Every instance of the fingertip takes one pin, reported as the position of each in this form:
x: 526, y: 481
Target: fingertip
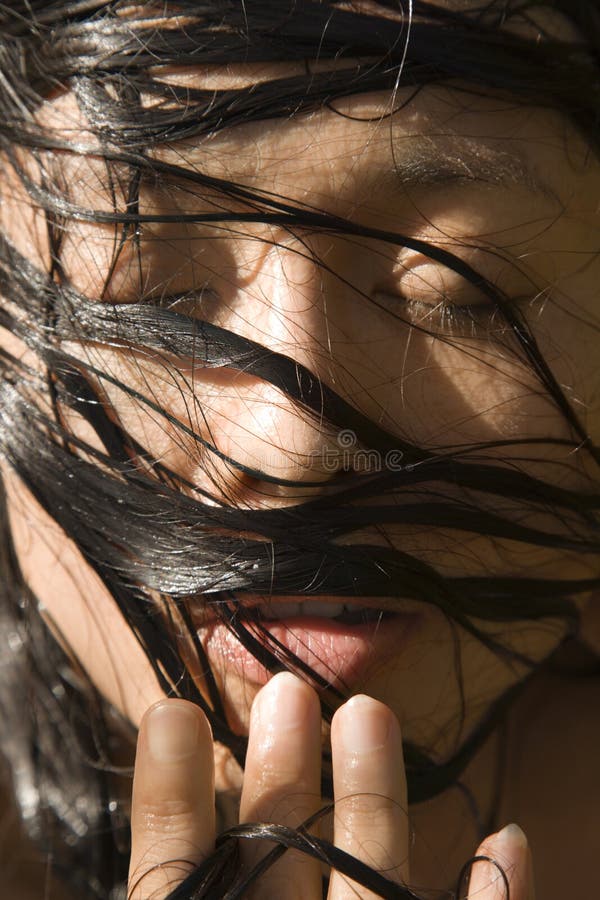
x: 359, y: 703
x: 512, y: 837
x: 285, y: 702
x: 364, y: 724
x: 369, y: 782
x: 178, y: 705
x: 282, y: 779
x: 285, y: 682
x: 173, y: 804
x: 509, y: 847
x: 504, y: 867
x: 174, y: 730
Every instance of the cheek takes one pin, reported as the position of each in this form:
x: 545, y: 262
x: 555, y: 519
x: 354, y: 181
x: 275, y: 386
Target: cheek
x: 78, y: 609
x: 573, y: 357
x: 430, y: 391
x: 468, y: 391
x: 440, y: 389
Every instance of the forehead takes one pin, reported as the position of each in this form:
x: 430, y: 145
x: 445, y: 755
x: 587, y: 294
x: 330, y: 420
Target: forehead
x: 366, y: 154
x: 436, y: 131
x: 445, y: 167
x: 436, y: 138
x: 531, y: 19
x: 397, y: 142
x: 483, y: 136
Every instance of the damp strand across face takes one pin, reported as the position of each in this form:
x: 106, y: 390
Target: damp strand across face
x: 402, y: 337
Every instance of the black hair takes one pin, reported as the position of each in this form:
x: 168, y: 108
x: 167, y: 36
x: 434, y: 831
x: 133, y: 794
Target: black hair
x: 140, y: 525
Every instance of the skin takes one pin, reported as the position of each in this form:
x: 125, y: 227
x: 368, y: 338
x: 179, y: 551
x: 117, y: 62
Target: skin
x: 173, y: 790
x: 284, y: 300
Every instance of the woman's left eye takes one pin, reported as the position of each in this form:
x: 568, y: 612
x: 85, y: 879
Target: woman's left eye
x: 436, y: 297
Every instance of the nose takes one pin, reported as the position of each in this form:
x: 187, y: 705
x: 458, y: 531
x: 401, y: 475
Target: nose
x: 268, y: 448
x: 282, y: 299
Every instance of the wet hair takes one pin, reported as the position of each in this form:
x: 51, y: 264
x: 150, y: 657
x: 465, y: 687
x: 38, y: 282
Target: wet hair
x: 139, y: 524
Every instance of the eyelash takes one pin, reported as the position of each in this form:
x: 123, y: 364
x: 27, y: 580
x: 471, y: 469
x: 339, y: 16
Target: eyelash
x: 448, y: 314
x: 446, y: 317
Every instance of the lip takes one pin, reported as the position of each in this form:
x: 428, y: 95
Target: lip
x: 342, y: 654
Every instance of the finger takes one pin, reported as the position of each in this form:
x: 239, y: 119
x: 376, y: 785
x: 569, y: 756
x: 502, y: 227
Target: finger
x: 512, y: 866
x: 370, y: 819
x: 173, y: 806
x: 282, y: 781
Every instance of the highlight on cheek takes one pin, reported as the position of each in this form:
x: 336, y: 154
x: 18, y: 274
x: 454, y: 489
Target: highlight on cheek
x: 295, y: 309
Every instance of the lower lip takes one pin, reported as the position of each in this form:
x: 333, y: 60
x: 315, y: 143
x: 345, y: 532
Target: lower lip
x: 342, y: 655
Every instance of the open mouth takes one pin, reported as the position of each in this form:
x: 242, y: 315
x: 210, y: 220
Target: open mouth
x: 339, y: 641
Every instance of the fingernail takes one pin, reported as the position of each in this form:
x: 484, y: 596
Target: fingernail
x: 282, y: 704
x: 172, y: 732
x: 364, y: 724
x: 513, y: 836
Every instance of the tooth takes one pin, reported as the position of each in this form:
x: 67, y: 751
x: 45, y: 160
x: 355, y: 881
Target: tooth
x: 327, y: 610
x: 291, y: 609
x: 281, y: 610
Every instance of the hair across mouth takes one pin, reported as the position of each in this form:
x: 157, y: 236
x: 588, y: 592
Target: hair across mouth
x: 340, y: 642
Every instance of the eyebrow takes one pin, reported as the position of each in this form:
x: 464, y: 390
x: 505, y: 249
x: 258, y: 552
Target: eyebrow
x: 455, y: 160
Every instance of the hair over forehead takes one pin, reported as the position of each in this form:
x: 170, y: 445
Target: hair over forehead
x: 141, y: 78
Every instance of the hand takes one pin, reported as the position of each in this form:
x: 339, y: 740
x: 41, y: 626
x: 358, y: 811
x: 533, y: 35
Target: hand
x: 173, y: 820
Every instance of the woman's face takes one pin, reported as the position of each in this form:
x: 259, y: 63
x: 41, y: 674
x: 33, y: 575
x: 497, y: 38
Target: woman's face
x: 513, y: 191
